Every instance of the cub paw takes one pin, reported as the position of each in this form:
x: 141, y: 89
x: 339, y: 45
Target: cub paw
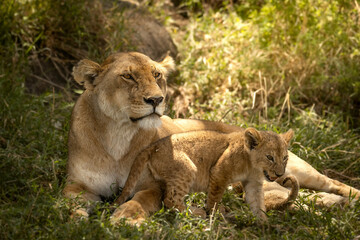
x: 197, y: 212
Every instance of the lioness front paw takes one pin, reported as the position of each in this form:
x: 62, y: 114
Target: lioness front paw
x: 80, y: 213
x: 125, y: 212
x: 262, y: 218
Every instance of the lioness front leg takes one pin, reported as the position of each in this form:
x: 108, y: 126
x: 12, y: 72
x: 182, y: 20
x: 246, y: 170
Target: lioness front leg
x: 255, y: 198
x: 140, y: 206
x: 77, y: 191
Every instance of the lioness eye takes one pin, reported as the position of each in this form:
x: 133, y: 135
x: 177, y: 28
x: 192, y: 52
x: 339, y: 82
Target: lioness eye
x: 127, y: 76
x: 157, y: 75
x: 270, y: 157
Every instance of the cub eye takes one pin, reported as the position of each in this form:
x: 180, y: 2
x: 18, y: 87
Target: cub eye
x: 286, y: 158
x: 157, y: 74
x: 127, y: 76
x: 270, y: 158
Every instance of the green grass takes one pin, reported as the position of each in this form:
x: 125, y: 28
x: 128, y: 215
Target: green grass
x: 222, y: 54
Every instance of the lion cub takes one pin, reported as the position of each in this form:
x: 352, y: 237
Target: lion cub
x: 210, y: 161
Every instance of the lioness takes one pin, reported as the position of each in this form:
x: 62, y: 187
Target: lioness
x: 210, y: 161
x: 118, y: 115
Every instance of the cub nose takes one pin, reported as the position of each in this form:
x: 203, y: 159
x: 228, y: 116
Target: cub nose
x: 278, y: 175
x: 154, y: 101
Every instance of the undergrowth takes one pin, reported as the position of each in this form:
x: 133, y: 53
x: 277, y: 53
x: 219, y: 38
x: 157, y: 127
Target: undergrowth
x: 300, y: 53
x: 243, y: 65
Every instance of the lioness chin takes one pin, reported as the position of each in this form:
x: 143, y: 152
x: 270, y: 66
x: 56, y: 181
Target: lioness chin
x: 118, y: 115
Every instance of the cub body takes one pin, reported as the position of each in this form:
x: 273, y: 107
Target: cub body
x: 210, y: 161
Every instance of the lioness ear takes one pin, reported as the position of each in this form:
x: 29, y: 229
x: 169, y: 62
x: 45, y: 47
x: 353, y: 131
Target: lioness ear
x: 252, y: 138
x: 288, y: 136
x: 168, y: 64
x: 85, y: 72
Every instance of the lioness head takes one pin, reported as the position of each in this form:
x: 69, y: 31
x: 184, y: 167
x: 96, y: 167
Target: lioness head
x: 268, y: 151
x: 127, y: 86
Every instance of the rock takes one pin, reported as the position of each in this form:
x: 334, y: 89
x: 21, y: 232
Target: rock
x: 51, y: 69
x: 148, y: 36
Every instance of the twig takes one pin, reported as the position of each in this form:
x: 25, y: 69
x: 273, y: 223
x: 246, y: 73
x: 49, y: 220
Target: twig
x: 58, y: 69
x: 53, y: 166
x: 52, y: 83
x: 264, y: 93
x: 332, y: 146
x: 350, y: 166
x: 341, y: 175
x: 222, y: 118
x: 343, y: 151
x: 287, y: 102
x: 53, y: 103
x: 32, y: 207
x: 254, y: 97
x: 47, y: 81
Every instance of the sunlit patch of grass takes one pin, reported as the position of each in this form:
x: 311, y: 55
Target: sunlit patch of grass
x: 306, y: 50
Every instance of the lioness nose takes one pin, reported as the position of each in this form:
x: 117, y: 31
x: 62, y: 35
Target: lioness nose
x: 154, y: 101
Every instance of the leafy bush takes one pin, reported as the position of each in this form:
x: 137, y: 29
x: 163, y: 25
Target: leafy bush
x: 39, y: 24
x: 309, y: 48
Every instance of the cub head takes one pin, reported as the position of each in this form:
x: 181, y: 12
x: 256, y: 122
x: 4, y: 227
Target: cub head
x: 268, y: 151
x: 127, y: 87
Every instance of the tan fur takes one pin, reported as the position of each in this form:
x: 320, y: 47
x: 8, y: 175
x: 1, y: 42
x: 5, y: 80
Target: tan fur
x: 103, y: 141
x: 210, y: 161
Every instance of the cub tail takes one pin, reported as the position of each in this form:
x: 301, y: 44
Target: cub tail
x: 294, y: 192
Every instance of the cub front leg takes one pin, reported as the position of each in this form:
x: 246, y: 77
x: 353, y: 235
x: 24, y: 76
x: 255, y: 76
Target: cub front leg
x: 215, y: 192
x: 174, y: 196
x: 179, y: 181
x: 219, y: 179
x: 255, y: 198
x: 139, y: 207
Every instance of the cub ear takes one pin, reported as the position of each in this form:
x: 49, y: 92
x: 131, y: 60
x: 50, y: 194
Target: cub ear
x: 85, y: 72
x: 252, y: 138
x: 168, y: 64
x: 288, y: 136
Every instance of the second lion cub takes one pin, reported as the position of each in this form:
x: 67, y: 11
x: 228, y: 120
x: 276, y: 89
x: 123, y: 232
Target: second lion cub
x: 210, y: 161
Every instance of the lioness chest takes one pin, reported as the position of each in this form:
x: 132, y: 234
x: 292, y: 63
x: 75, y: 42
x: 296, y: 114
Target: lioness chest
x: 116, y: 142
x: 117, y: 138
